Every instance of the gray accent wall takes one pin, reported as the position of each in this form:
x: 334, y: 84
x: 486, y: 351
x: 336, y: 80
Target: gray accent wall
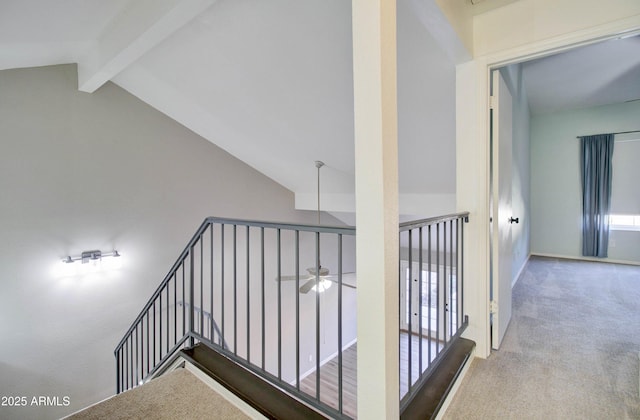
x: 97, y: 171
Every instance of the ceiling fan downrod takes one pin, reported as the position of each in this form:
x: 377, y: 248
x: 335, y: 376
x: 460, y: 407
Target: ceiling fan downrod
x: 319, y: 164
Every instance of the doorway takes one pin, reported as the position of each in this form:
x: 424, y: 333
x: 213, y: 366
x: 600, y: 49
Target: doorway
x: 541, y: 178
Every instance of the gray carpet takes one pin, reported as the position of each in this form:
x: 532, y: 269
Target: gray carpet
x: 175, y: 395
x: 571, y: 350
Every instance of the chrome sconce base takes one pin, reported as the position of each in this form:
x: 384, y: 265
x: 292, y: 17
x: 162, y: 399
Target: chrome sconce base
x: 88, y: 256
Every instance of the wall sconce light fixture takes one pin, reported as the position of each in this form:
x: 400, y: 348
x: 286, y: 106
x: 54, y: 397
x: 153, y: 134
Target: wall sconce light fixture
x: 90, y: 256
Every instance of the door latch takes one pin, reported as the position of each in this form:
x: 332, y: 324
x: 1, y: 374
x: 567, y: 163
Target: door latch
x: 514, y: 220
x: 493, y: 307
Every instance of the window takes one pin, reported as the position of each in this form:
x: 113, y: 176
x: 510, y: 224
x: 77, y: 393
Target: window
x: 625, y: 200
x: 624, y: 221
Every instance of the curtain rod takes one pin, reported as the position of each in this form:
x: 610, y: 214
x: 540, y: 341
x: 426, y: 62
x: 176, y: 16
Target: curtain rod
x: 621, y: 132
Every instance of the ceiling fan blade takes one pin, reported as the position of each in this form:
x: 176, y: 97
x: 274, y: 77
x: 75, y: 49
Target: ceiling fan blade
x: 302, y: 277
x: 334, y: 279
x: 350, y: 275
x: 290, y: 278
x: 323, y: 271
x: 343, y: 275
x: 305, y: 288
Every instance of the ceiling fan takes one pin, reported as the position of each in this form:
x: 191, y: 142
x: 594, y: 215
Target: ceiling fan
x: 324, y: 283
x: 325, y: 279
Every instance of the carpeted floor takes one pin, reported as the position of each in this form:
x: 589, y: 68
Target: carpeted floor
x: 175, y: 395
x: 571, y: 350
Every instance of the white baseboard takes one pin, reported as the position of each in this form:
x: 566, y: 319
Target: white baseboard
x: 324, y: 361
x: 232, y: 398
x: 517, y: 277
x: 581, y: 258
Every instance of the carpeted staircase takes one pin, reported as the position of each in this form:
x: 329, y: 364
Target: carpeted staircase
x: 176, y: 395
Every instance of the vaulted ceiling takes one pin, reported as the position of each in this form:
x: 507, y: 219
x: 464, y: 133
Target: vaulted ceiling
x: 271, y: 81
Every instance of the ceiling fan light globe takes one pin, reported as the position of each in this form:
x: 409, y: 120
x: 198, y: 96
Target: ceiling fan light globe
x: 322, y: 286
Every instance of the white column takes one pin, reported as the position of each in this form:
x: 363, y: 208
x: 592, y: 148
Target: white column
x: 376, y: 152
x: 472, y: 194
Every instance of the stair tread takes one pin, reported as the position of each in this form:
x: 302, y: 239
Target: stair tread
x: 260, y: 394
x: 430, y: 397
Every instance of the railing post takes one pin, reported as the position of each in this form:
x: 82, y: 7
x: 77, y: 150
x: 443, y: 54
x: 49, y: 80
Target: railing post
x: 248, y: 299
x: 222, y: 279
x: 318, y: 357
x: 235, y: 289
x: 340, y: 408
x: 297, y: 263
x: 262, y: 299
x: 409, y: 309
x: 212, y: 323
x: 118, y: 387
x: 420, y: 296
x: 191, y: 296
x: 201, y: 287
x: 429, y: 283
x: 466, y: 220
x: 279, y: 270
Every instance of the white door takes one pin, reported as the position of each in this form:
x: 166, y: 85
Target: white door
x: 410, y: 297
x: 424, y: 305
x: 501, y: 217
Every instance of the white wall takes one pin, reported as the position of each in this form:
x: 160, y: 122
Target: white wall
x: 426, y: 125
x: 524, y: 23
x: 426, y: 120
x: 97, y: 171
x: 556, y: 202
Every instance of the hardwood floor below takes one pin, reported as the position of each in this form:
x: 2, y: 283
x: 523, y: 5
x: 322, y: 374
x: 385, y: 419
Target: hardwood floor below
x: 329, y: 392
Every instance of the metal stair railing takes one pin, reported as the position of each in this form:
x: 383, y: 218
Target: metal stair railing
x: 431, y: 283
x: 220, y: 292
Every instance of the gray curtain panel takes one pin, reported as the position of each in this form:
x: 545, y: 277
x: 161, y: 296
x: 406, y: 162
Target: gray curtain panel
x: 596, y: 153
